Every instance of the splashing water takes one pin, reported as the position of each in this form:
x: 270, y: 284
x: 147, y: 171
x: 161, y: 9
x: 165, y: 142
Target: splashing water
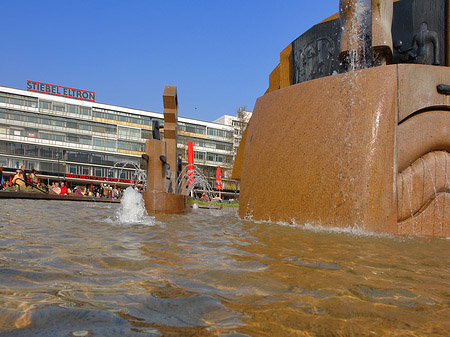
x: 359, y: 34
x: 132, y: 209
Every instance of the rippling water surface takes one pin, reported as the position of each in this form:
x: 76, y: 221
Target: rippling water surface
x: 80, y: 269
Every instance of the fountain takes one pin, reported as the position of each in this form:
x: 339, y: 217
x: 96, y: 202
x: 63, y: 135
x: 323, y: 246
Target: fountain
x: 132, y: 209
x: 161, y: 157
x: 362, y: 124
x: 139, y: 175
x: 183, y: 186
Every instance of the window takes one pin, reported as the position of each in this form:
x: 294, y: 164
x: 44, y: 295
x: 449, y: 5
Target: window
x: 58, y: 107
x: 146, y: 134
x: 73, y: 138
x: 219, y: 133
x: 72, y: 125
x: 85, y: 111
x: 61, y: 122
x: 199, y: 155
x: 129, y: 133
x: 98, y: 113
x: 45, y: 120
x: 85, y: 126
x: 85, y: 140
x: 59, y: 137
x: 45, y: 105
x: 104, y: 144
x: 187, y: 127
x: 131, y: 146
x: 72, y: 109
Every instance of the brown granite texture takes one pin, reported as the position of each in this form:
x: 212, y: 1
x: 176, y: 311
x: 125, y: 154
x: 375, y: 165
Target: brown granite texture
x: 417, y: 88
x: 423, y: 196
x: 155, y: 197
x: 352, y: 149
x: 170, y: 101
x: 447, y: 36
x: 286, y: 67
x: 382, y: 11
x: 350, y: 28
x: 162, y: 202
x: 156, y: 174
x: 322, y: 152
x: 423, y: 133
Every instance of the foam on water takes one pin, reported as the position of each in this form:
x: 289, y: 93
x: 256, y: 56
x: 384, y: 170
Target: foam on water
x: 355, y: 229
x: 132, y: 209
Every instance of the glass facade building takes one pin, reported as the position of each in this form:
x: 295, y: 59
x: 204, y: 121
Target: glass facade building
x: 82, y: 140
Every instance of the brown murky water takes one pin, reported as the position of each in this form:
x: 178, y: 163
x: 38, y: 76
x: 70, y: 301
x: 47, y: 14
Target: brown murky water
x: 73, y: 269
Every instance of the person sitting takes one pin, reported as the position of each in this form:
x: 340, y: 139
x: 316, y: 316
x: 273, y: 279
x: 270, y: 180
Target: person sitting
x: 55, y: 188
x: 19, y: 181
x: 216, y: 199
x: 33, y: 180
x: 203, y: 197
x: 78, y: 192
x: 2, y: 181
x: 63, y: 189
x: 24, y: 175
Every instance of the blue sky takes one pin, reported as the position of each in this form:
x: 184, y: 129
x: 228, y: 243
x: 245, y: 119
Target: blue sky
x: 218, y: 53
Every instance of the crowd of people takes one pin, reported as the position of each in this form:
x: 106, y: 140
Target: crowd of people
x: 24, y: 182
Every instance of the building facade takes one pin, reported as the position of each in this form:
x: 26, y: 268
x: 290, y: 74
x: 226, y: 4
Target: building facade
x: 238, y: 123
x: 85, y: 142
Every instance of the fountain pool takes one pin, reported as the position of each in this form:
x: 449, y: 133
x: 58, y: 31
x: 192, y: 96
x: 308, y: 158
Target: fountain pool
x: 82, y: 269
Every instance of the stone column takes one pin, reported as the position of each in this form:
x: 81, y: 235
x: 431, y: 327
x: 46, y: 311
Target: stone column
x: 349, y: 26
x: 447, y: 33
x: 156, y: 174
x: 155, y: 195
x: 352, y: 26
x: 382, y: 11
x: 170, y: 128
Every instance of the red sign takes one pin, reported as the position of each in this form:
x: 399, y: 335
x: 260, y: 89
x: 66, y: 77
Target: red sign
x: 58, y: 90
x: 114, y: 180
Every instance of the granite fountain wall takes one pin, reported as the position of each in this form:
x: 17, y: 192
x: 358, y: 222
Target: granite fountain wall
x: 368, y: 147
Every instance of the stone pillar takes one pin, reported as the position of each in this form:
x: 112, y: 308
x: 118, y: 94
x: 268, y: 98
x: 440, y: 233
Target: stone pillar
x: 155, y: 195
x: 349, y: 26
x: 447, y: 32
x: 353, y: 25
x: 170, y: 128
x: 382, y: 11
x: 156, y: 173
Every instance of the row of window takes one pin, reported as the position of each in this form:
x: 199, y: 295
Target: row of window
x: 70, y: 109
x: 220, y: 133
x: 31, y: 102
x: 68, y: 123
x: 187, y: 127
x: 97, y: 143
x: 47, y: 152
x: 202, y: 157
x: 203, y: 130
x: 206, y: 143
x: 75, y: 110
x: 18, y: 100
x: 122, y: 116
